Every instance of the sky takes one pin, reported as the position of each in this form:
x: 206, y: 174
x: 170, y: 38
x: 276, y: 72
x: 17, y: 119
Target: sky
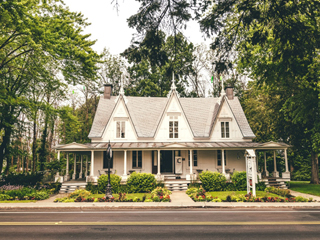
x: 110, y: 28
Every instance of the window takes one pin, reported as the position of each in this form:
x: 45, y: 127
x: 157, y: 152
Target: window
x: 225, y: 130
x: 194, y: 158
x: 136, y: 159
x: 219, y: 158
x: 105, y: 161
x: 121, y: 129
x: 173, y: 127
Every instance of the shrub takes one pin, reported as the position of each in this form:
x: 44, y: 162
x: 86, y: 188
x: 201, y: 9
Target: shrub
x: 94, y: 189
x: 239, y: 180
x: 191, y: 191
x: 114, y: 181
x: 41, y: 195
x: 141, y: 182
x: 213, y: 181
x: 4, y: 197
x: 79, y: 193
x: 261, y: 186
x: 24, y: 179
x: 278, y: 191
x: 160, y: 195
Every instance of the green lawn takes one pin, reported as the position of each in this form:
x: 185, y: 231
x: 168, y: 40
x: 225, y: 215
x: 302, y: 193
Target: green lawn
x: 129, y: 195
x: 305, y: 187
x: 223, y: 194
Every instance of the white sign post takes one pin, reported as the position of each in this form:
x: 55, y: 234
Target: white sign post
x: 251, y: 169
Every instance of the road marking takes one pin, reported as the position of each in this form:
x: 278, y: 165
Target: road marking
x: 166, y: 212
x: 156, y: 223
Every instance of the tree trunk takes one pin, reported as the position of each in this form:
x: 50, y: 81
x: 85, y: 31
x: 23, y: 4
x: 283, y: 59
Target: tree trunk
x: 314, y: 168
x: 4, y: 146
x: 34, y: 145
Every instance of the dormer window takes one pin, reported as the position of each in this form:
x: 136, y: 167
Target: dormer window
x: 121, y: 129
x: 173, y: 127
x: 225, y: 133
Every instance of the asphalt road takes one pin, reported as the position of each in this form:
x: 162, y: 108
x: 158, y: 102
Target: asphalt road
x: 163, y: 224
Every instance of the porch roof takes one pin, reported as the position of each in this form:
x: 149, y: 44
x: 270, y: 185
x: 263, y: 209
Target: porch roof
x: 171, y: 145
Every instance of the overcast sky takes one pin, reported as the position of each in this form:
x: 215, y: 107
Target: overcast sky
x: 111, y: 29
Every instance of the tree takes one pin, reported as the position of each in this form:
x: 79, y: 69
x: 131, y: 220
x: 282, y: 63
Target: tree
x: 154, y: 60
x: 33, y: 36
x: 278, y: 43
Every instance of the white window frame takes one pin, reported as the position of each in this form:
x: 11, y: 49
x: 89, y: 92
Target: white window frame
x: 225, y: 158
x: 122, y: 124
x: 175, y: 129
x: 224, y: 127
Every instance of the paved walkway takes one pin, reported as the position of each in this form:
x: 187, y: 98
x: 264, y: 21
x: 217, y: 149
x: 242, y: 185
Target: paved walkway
x: 180, y: 197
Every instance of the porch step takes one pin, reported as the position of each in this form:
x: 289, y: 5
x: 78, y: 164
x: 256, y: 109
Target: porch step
x: 177, y: 185
x: 71, y: 187
x: 277, y: 183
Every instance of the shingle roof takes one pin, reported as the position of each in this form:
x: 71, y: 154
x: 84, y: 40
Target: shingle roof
x: 200, y: 113
x: 146, y: 113
x: 103, y: 113
x: 240, y: 118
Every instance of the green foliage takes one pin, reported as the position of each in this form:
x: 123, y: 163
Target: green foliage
x: 94, y: 189
x: 26, y: 194
x: 278, y: 191
x: 24, y: 179
x: 4, y: 197
x: 160, y: 194
x: 79, y: 193
x: 239, y: 179
x: 114, y: 181
x: 305, y: 187
x: 191, y: 191
x: 213, y: 181
x: 141, y: 182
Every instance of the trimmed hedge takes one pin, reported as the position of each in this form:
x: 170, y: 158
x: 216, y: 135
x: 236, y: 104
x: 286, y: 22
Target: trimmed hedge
x: 213, y: 181
x: 114, y: 181
x: 239, y: 180
x: 141, y: 182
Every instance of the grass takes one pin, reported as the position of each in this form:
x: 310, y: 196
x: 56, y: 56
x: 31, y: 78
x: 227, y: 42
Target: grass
x: 18, y: 201
x: 305, y: 187
x: 223, y: 194
x: 128, y: 195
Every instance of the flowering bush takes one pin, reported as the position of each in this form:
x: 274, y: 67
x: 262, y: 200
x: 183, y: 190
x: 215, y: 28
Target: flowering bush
x: 199, y: 195
x: 161, y: 195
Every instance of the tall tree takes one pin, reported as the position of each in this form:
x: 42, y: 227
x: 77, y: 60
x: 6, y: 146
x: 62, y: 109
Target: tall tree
x: 31, y: 33
x: 278, y: 43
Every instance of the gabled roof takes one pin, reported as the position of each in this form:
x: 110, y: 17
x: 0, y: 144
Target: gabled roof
x: 146, y: 113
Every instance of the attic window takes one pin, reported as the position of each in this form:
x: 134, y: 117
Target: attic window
x: 173, y: 127
x: 225, y: 132
x: 121, y: 129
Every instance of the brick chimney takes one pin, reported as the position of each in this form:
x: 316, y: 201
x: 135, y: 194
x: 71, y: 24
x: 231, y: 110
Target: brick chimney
x: 229, y: 91
x: 107, y: 91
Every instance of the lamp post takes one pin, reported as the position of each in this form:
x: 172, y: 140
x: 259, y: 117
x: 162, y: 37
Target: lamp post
x: 109, y: 157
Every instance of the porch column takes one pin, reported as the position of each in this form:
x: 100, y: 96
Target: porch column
x: 80, y: 174
x: 74, y: 166
x: 275, y: 172
x: 92, y: 163
x: 67, y: 169
x: 158, y: 163
x: 191, y: 164
x: 223, y: 162
x: 58, y: 155
x: 286, y: 160
x: 86, y: 173
x: 265, y: 164
x: 125, y: 165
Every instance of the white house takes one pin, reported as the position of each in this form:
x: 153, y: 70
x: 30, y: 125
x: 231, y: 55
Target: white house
x: 170, y: 137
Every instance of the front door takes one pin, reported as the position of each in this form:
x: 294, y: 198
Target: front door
x: 166, y: 162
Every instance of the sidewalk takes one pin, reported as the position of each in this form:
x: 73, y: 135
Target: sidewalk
x: 178, y: 200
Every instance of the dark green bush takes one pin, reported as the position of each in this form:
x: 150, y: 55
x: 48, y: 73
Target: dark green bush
x: 261, y: 186
x: 24, y: 179
x: 114, y: 181
x: 213, y: 181
x: 94, y: 189
x: 230, y: 187
x: 239, y: 180
x: 141, y: 182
